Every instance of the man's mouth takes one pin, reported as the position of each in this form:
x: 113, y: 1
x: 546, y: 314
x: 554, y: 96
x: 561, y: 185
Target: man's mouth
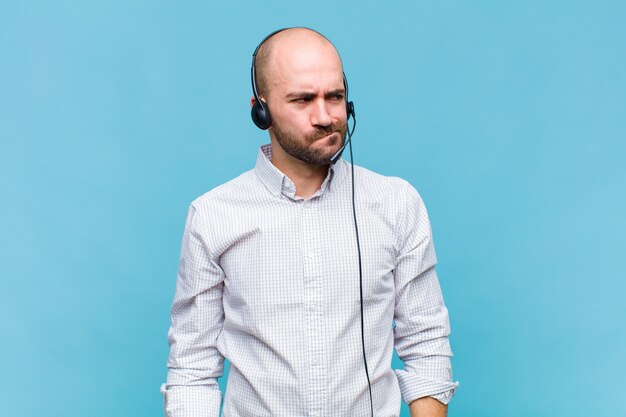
x: 327, y: 135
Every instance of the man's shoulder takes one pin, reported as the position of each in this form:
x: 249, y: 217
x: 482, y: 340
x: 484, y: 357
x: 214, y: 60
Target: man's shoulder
x: 382, y: 185
x: 228, y: 191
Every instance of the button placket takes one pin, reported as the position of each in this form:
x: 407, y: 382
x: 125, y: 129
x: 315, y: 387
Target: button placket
x: 313, y: 303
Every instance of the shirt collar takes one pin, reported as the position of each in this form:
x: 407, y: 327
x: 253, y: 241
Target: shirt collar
x: 280, y: 184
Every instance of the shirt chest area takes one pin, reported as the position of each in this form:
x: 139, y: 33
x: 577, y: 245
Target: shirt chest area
x: 279, y: 255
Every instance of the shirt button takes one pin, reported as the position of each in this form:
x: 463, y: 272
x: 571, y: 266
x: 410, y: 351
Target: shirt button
x: 310, y: 254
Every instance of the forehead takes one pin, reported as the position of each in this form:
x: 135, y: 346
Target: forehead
x: 310, y: 65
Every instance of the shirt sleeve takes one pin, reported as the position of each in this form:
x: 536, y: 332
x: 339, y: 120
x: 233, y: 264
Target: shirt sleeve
x: 421, y: 319
x: 194, y: 362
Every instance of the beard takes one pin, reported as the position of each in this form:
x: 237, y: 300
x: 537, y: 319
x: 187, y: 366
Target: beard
x: 300, y: 148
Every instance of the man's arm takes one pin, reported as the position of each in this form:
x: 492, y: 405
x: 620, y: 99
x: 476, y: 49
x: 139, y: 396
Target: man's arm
x: 421, y: 319
x: 194, y: 362
x: 428, y: 407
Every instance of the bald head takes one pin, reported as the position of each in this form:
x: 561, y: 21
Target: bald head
x: 283, y: 49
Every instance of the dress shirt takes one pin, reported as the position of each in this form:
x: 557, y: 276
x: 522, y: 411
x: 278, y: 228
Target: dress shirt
x: 270, y: 281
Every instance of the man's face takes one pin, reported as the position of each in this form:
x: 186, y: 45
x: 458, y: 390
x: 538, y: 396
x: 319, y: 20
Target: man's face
x: 306, y: 98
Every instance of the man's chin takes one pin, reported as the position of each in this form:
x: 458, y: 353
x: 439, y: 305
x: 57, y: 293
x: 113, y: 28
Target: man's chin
x: 322, y: 155
x: 319, y: 156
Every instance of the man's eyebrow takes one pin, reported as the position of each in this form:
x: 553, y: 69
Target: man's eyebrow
x: 338, y: 91
x: 308, y: 93
x: 302, y: 93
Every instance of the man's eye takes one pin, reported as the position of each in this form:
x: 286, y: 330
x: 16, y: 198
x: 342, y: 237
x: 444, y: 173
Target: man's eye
x: 338, y: 97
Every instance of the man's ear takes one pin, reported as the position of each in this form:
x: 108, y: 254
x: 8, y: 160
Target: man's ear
x: 253, y: 100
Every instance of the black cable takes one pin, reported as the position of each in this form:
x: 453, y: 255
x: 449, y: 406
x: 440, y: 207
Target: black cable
x: 358, y: 246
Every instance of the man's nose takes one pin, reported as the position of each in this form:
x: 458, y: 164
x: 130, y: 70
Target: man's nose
x: 320, y: 115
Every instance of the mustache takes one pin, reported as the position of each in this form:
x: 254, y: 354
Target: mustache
x: 320, y: 132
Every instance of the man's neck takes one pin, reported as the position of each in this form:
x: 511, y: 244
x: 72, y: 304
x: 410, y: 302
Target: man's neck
x: 307, y: 178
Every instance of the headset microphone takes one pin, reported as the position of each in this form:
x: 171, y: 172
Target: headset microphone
x: 337, y: 155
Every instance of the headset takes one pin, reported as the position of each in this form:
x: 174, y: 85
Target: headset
x: 260, y: 114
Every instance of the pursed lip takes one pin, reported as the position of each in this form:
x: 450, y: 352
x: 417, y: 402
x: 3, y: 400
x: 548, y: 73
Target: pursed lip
x: 328, y: 135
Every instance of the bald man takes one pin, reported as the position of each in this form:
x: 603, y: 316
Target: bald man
x: 273, y: 277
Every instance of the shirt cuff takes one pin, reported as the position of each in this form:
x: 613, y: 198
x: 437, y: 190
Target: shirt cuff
x: 444, y: 397
x: 191, y: 401
x: 413, y: 386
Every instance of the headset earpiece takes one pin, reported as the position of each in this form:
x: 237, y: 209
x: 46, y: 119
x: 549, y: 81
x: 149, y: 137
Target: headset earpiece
x: 261, y: 115
x: 260, y: 112
x: 350, y: 109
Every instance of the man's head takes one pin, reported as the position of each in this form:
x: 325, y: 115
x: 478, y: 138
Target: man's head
x: 299, y: 76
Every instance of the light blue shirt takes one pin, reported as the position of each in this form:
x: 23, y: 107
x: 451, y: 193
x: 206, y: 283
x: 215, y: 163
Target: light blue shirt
x: 270, y: 281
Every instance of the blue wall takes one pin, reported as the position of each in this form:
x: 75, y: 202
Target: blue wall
x: 508, y: 117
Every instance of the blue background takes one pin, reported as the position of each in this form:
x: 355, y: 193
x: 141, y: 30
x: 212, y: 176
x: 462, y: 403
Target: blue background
x: 508, y: 117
